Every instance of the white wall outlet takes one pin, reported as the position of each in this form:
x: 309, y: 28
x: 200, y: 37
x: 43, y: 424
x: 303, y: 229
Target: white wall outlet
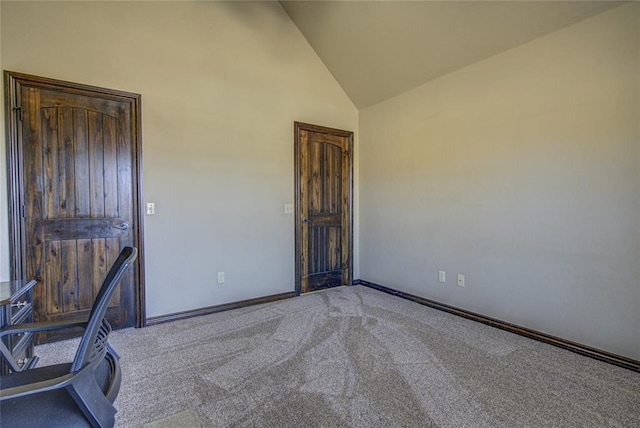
x: 460, y: 280
x: 220, y: 277
x: 151, y: 208
x: 442, y: 276
x: 288, y: 208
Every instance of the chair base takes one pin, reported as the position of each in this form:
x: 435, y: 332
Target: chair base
x: 55, y: 408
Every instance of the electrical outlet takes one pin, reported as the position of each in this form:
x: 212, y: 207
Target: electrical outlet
x: 442, y: 276
x: 151, y: 208
x: 460, y: 280
x: 220, y: 277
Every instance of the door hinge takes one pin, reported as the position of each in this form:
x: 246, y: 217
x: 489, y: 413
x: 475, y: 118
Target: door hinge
x: 18, y: 111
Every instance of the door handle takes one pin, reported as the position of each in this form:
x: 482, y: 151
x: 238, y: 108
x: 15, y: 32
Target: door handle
x: 305, y: 220
x: 123, y: 226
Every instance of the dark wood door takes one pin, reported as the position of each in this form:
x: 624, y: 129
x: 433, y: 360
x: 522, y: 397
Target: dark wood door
x: 77, y: 179
x: 323, y: 207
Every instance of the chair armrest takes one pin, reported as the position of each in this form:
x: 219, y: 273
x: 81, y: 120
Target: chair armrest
x: 36, y: 387
x: 41, y: 326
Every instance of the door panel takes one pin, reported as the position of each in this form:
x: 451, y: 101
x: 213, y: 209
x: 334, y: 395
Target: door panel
x: 323, y: 197
x: 80, y: 196
x: 74, y: 270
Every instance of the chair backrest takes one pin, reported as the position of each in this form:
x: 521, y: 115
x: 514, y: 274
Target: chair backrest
x: 93, y: 344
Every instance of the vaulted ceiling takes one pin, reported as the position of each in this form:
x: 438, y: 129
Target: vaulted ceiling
x: 378, y: 49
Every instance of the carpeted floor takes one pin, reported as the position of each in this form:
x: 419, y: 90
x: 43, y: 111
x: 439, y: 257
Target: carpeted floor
x: 356, y: 357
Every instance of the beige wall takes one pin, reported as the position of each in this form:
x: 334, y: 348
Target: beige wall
x: 221, y: 85
x: 523, y: 173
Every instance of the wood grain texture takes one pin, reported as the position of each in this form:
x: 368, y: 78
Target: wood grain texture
x: 82, y: 165
x: 98, y: 263
x: 53, y: 300
x: 110, y: 167
x: 69, y: 283
x: 32, y: 196
x: 302, y: 211
x: 324, y: 216
x: 82, y: 228
x: 96, y: 157
x: 66, y: 164
x: 78, y: 148
x: 50, y: 157
x: 85, y: 275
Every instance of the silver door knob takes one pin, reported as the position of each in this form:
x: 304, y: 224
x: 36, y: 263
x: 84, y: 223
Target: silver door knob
x: 123, y: 226
x: 305, y: 220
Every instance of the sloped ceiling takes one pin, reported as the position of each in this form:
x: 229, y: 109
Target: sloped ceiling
x: 378, y: 49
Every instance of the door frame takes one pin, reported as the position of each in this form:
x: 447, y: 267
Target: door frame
x: 300, y: 126
x: 15, y: 184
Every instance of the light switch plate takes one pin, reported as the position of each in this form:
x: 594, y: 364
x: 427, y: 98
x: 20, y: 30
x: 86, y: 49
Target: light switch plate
x: 151, y: 208
x: 288, y: 208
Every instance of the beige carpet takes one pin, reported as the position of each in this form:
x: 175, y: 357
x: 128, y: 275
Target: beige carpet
x: 186, y: 419
x: 356, y: 357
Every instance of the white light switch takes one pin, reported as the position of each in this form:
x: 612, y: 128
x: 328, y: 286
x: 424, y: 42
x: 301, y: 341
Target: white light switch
x: 288, y: 208
x: 220, y: 277
x: 151, y: 208
x: 442, y: 276
x: 460, y: 280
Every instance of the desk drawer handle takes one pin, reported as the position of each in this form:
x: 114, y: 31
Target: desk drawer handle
x: 19, y: 304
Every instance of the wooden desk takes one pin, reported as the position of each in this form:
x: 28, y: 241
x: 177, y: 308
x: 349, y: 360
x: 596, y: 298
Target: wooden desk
x: 15, y: 308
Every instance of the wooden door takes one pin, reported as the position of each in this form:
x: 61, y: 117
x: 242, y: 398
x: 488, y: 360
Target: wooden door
x: 323, y: 207
x: 75, y: 157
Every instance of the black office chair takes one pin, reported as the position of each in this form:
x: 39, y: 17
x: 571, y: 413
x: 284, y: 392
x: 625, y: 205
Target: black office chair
x: 76, y: 394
